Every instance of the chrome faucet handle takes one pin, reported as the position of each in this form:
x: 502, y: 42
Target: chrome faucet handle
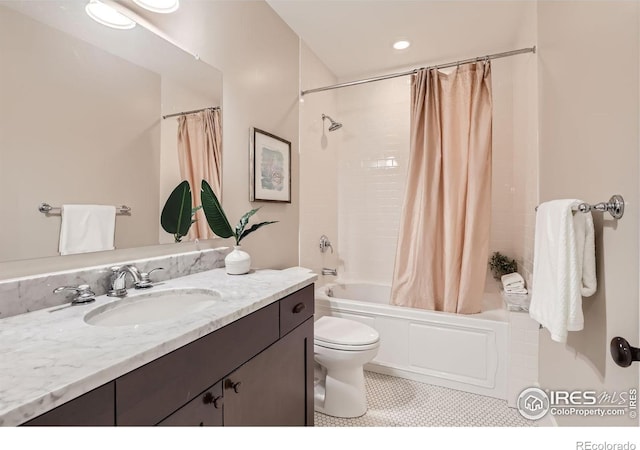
x: 145, y: 282
x: 324, y: 243
x: 84, y: 294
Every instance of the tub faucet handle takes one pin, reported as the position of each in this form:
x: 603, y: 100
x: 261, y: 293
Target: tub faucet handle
x: 324, y: 243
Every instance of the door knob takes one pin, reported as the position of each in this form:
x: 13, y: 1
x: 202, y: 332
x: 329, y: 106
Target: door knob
x: 209, y: 398
x: 231, y: 385
x: 623, y: 353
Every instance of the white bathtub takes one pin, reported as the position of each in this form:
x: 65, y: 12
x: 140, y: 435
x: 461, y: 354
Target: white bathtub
x: 464, y: 352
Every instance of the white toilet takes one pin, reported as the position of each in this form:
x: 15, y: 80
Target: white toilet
x: 341, y: 348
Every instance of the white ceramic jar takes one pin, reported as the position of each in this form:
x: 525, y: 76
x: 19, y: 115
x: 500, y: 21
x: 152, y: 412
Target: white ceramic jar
x: 238, y: 262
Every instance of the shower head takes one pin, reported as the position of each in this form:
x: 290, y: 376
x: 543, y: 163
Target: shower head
x: 334, y: 125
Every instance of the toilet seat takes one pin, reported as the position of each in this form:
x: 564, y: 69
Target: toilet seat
x: 346, y: 348
x: 344, y: 334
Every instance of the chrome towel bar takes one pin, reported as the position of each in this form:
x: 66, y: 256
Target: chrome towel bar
x: 615, y: 206
x: 46, y: 208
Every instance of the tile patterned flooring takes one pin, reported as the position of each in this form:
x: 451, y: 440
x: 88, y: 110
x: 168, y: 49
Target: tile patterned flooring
x: 397, y: 402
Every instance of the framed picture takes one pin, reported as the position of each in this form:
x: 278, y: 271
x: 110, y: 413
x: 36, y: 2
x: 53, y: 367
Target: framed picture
x: 269, y: 167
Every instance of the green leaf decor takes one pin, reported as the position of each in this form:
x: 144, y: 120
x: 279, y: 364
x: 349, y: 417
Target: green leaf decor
x: 217, y: 219
x: 176, y: 217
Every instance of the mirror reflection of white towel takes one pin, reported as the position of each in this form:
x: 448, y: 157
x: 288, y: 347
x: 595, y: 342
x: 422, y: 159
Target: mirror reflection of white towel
x: 87, y: 228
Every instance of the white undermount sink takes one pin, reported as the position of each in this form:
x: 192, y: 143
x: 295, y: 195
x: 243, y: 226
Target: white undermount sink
x: 152, y: 307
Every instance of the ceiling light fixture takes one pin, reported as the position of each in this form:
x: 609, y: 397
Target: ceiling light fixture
x: 108, y: 16
x: 401, y: 45
x: 159, y: 6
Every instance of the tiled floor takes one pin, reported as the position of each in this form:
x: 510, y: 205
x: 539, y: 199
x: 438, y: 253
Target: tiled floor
x: 396, y: 402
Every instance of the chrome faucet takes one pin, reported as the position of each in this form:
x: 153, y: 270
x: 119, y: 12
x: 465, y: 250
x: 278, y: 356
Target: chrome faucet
x: 118, y: 279
x: 141, y: 280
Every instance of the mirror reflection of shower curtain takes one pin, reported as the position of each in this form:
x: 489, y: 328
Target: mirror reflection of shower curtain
x: 200, y: 156
x: 443, y: 244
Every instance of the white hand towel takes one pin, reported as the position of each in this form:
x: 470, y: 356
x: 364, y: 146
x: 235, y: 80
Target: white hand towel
x: 585, y: 243
x: 87, y: 228
x: 563, y: 267
x: 512, y: 280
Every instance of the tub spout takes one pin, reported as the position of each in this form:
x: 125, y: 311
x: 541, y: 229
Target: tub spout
x: 326, y: 271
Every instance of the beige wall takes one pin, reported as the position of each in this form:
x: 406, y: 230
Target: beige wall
x: 588, y: 73
x: 319, y: 152
x: 258, y: 56
x: 61, y: 100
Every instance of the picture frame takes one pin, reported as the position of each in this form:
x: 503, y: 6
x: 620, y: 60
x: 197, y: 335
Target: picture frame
x: 269, y: 167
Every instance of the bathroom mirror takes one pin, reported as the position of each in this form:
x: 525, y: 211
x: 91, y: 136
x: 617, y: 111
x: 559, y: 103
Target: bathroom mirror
x: 81, y: 109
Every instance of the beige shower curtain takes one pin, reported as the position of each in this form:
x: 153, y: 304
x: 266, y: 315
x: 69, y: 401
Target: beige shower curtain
x: 200, y: 156
x: 441, y: 258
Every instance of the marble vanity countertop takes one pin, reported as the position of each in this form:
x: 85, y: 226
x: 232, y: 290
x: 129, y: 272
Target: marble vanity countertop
x: 51, y: 356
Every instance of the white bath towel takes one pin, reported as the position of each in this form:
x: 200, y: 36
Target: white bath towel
x: 563, y: 267
x: 87, y: 228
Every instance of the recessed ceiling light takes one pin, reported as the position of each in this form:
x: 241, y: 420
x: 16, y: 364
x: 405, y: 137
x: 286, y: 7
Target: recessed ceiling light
x: 108, y: 16
x: 159, y: 6
x: 401, y: 45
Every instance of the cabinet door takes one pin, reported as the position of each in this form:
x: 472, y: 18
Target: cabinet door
x: 95, y: 408
x: 275, y: 386
x: 152, y: 392
x: 204, y: 411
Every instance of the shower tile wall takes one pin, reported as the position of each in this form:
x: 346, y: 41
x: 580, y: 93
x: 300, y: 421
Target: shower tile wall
x: 372, y: 168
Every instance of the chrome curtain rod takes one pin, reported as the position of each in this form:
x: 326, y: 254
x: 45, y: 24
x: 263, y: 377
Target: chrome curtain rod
x: 212, y: 108
x: 413, y: 71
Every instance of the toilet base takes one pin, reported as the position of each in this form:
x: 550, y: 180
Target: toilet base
x: 341, y: 393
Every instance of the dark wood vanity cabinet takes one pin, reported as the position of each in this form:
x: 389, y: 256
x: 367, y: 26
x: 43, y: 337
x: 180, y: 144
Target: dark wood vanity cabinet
x: 272, y: 388
x: 205, y: 410
x: 95, y: 408
x: 255, y: 371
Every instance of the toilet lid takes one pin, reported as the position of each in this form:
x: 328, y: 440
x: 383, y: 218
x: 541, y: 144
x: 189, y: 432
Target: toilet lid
x: 335, y: 330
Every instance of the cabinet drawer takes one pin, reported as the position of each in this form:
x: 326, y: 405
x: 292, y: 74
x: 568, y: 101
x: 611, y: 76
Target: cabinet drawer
x: 154, y: 391
x: 205, y: 410
x: 95, y: 408
x: 295, y: 309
